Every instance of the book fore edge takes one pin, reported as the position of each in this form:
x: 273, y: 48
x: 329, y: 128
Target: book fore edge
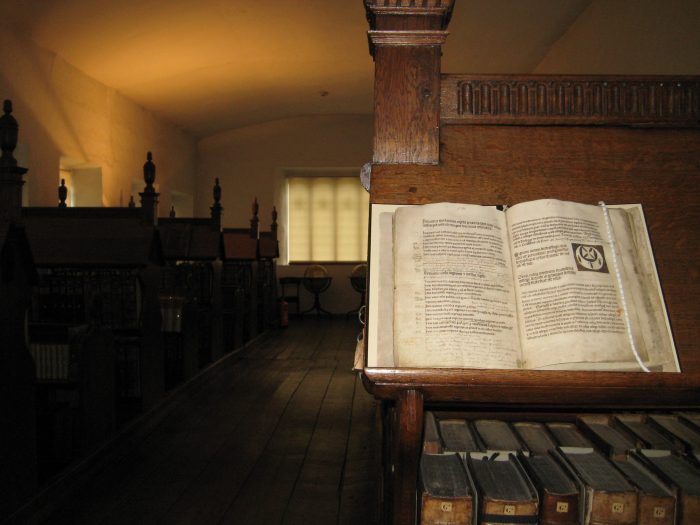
x: 618, y: 277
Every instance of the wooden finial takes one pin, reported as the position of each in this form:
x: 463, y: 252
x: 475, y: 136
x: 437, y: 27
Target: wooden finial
x: 149, y: 197
x: 62, y: 194
x: 149, y: 173
x: 216, y: 208
x: 8, y: 135
x: 273, y: 226
x: 172, y: 211
x: 10, y: 173
x: 254, y: 220
x: 217, y: 191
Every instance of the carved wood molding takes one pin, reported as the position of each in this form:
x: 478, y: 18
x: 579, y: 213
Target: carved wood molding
x: 410, y: 4
x: 410, y: 7
x: 439, y: 10
x: 407, y: 38
x: 543, y: 100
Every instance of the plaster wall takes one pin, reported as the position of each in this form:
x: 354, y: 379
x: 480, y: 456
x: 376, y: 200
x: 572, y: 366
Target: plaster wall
x: 66, y: 116
x: 635, y: 37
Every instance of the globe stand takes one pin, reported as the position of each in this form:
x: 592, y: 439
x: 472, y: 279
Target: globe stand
x: 358, y: 281
x: 356, y: 286
x: 316, y: 281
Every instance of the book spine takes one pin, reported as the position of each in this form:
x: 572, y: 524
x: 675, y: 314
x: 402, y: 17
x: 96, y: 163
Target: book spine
x: 52, y: 362
x: 559, y: 510
x: 656, y: 510
x: 498, y: 512
x: 446, y: 511
x: 690, y: 509
x: 431, y: 438
x: 612, y: 508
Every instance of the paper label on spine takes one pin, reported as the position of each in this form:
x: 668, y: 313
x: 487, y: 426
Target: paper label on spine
x: 618, y: 508
x: 562, y: 506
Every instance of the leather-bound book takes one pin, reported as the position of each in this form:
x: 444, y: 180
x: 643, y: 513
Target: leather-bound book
x: 505, y: 493
x: 609, y: 499
x: 613, y: 442
x: 456, y: 436
x: 679, y: 430
x: 656, y: 500
x: 558, y: 494
x: 535, y: 436
x: 446, y: 495
x: 568, y: 435
x: 683, y: 476
x: 646, y: 432
x: 431, y: 436
x: 691, y: 418
x: 497, y: 436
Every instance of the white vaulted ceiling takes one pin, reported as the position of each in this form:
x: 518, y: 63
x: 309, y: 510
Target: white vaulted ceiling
x: 214, y: 65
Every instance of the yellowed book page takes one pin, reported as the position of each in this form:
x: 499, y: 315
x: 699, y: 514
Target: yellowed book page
x: 646, y: 307
x: 569, y: 304
x: 380, y: 313
x: 454, y: 300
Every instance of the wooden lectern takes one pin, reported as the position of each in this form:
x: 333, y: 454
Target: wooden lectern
x: 507, y: 139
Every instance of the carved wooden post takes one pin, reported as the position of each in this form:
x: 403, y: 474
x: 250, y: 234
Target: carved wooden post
x: 405, y: 41
x: 10, y: 174
x: 149, y: 196
x: 216, y: 208
x: 407, y: 442
x: 17, y: 374
x: 217, y: 338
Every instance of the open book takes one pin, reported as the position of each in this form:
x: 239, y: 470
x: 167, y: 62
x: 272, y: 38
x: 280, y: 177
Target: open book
x: 545, y: 284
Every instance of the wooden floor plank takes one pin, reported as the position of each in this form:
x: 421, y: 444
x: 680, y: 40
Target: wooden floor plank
x: 279, y: 433
x: 279, y: 341
x: 359, y: 497
x: 263, y: 497
x: 213, y: 490
x: 308, y: 336
x: 316, y: 493
x: 157, y: 492
x: 114, y: 489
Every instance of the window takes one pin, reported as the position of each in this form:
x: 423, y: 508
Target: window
x: 327, y: 219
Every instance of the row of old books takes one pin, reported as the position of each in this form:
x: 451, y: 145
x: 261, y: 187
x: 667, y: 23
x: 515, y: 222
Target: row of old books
x: 54, y: 361
x: 74, y: 296
x: 601, y: 470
